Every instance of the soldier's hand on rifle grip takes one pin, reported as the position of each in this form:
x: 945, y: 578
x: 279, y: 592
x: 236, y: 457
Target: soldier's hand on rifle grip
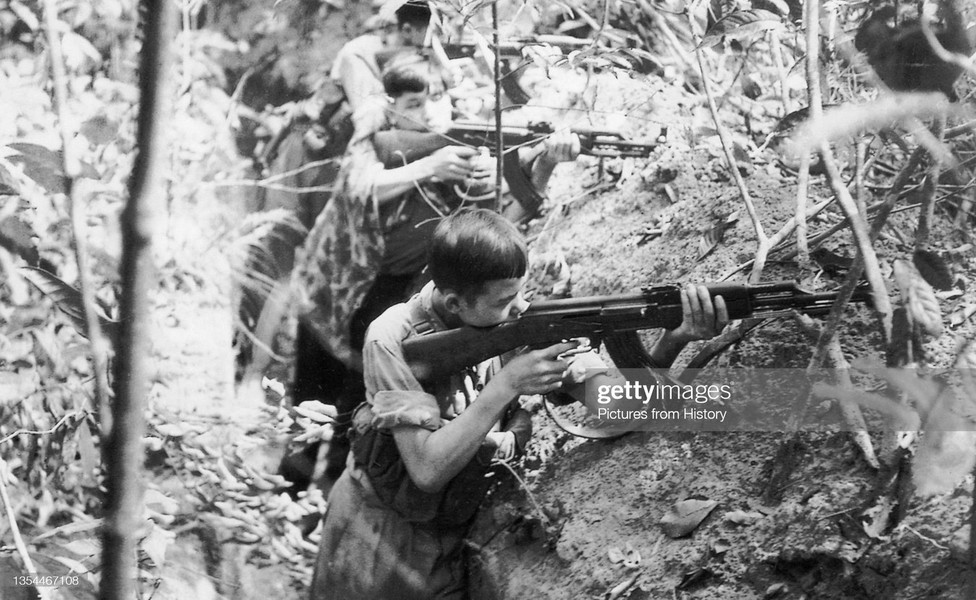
x: 562, y: 146
x: 704, y: 317
x: 537, y: 371
x: 451, y: 163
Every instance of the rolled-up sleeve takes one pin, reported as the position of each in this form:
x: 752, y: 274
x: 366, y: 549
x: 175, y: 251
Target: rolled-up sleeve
x: 397, y: 398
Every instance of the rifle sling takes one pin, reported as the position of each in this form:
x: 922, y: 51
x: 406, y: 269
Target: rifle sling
x: 520, y: 183
x: 583, y: 431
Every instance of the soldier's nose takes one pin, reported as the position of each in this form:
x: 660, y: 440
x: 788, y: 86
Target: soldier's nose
x: 520, y: 306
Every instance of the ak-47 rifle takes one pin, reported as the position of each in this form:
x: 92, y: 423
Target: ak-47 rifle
x: 397, y: 147
x: 613, y: 320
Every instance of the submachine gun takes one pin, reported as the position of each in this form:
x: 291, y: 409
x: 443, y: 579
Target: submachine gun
x: 613, y: 320
x: 397, y: 147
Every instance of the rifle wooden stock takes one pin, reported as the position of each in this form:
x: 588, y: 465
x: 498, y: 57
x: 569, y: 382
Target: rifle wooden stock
x: 599, y: 317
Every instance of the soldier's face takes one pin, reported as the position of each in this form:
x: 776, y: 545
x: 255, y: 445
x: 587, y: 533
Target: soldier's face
x: 411, y: 35
x: 422, y: 111
x: 500, y: 300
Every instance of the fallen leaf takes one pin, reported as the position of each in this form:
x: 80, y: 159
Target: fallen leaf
x: 317, y: 411
x: 156, y: 543
x: 685, y: 516
x: 831, y: 262
x: 274, y: 385
x: 618, y: 590
x: 715, y: 235
x: 171, y: 430
x: 693, y: 578
x: 919, y: 298
x: 721, y: 546
x: 741, y: 517
x: 962, y: 314
x: 670, y: 193
x: 933, y: 268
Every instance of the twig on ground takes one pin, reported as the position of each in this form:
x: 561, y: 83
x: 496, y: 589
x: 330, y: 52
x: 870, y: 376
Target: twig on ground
x: 860, y: 193
x: 525, y: 487
x: 854, y: 275
x: 850, y: 412
x: 864, y: 242
x: 72, y: 169
x: 857, y: 221
x: 802, y: 186
x: 924, y: 537
x: 927, y: 212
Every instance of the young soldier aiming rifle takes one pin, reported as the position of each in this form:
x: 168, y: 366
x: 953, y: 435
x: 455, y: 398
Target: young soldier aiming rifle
x: 397, y: 517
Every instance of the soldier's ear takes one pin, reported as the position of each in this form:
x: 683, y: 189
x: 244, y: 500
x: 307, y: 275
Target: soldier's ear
x: 453, y: 302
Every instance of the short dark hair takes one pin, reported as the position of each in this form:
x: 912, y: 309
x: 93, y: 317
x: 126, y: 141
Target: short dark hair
x: 407, y: 72
x: 472, y: 247
x: 414, y: 12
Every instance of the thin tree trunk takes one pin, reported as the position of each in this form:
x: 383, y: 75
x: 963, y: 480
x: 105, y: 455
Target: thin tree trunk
x: 125, y: 453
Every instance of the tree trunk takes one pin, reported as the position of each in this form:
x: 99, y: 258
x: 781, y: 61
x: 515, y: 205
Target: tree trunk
x: 125, y: 454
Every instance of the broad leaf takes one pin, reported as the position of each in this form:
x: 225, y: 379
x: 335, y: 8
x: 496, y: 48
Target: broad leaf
x: 100, y: 130
x: 8, y: 185
x: 715, y: 235
x: 741, y: 24
x: 42, y: 165
x: 88, y: 454
x: 18, y: 237
x: 919, y: 298
x: 68, y: 299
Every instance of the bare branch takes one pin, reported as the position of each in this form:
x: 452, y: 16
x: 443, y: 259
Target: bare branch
x: 763, y: 249
x: 927, y: 212
x: 72, y: 169
x: 963, y: 62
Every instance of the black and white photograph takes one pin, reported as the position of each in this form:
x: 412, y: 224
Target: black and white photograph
x: 487, y: 300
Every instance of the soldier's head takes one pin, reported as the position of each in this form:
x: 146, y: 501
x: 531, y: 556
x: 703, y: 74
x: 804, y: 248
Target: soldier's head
x: 413, y: 18
x: 417, y: 92
x: 478, y: 261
